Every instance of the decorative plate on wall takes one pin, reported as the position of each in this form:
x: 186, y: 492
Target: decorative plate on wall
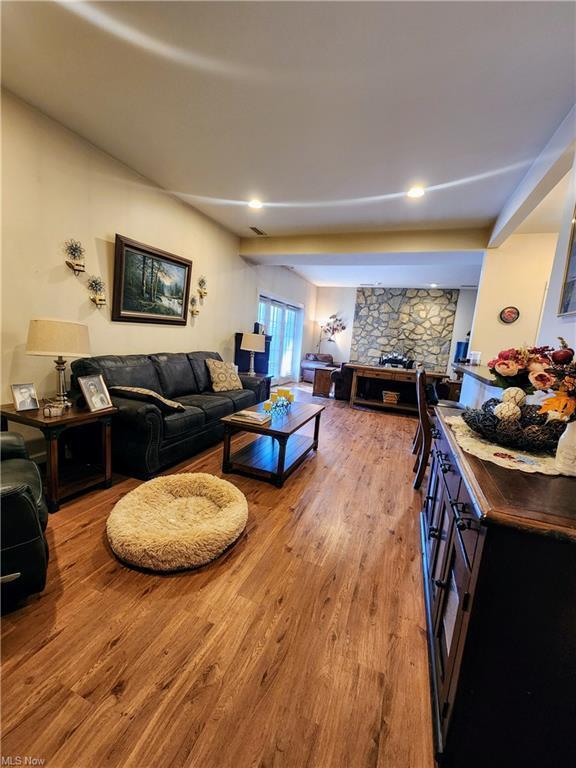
x: 509, y: 315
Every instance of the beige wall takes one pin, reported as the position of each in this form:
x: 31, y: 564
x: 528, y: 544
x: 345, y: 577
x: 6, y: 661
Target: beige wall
x: 515, y: 274
x: 553, y: 326
x: 57, y: 186
x: 342, y: 302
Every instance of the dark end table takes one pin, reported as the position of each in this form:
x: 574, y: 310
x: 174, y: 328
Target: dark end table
x: 52, y: 427
x: 278, y: 451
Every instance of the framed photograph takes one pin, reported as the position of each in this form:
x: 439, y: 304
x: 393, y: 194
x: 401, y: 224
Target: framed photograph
x: 95, y: 392
x: 509, y: 315
x: 25, y: 397
x: 150, y: 285
x: 568, y: 290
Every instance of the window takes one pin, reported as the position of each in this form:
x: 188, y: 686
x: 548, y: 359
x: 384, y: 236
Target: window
x: 283, y: 323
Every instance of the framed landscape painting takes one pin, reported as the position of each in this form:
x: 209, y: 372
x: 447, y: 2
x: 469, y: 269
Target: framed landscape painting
x: 150, y: 285
x: 568, y: 291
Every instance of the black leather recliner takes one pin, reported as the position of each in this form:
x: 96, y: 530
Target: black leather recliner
x: 24, y: 515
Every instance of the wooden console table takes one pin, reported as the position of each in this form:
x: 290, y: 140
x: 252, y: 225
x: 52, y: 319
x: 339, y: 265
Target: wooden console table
x: 406, y: 377
x: 52, y: 428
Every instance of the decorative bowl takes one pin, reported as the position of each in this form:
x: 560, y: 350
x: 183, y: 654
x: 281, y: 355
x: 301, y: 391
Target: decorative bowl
x: 531, y: 432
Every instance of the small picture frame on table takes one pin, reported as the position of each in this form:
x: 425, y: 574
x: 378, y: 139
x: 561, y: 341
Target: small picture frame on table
x: 25, y: 397
x: 95, y: 392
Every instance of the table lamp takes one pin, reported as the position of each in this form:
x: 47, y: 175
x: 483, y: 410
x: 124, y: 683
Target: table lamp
x: 253, y: 342
x: 58, y: 338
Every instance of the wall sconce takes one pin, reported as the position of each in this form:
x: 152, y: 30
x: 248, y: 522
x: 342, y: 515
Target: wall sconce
x: 75, y: 256
x: 97, y: 290
x: 202, y: 287
x: 194, y: 311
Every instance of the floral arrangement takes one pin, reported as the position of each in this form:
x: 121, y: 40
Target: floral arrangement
x: 281, y: 400
x: 521, y: 367
x: 540, y: 369
x: 334, y: 325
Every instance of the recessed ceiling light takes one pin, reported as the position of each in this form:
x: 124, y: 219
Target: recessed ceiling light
x: 416, y: 191
x: 433, y: 285
x: 255, y: 204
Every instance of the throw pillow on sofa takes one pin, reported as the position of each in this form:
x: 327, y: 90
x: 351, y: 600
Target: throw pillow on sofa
x: 223, y: 375
x: 149, y: 396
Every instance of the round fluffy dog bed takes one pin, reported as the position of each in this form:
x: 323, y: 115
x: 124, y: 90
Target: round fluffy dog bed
x: 176, y: 522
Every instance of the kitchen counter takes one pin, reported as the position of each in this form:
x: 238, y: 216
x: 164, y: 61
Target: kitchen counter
x: 477, y: 384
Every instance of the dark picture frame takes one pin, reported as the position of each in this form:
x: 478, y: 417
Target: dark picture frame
x: 567, y: 305
x: 95, y: 392
x: 150, y: 285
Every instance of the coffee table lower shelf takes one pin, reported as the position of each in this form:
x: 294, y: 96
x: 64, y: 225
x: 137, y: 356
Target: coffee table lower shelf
x: 263, y: 459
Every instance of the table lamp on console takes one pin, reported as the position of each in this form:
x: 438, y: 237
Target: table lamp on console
x: 59, y: 339
x: 253, y: 342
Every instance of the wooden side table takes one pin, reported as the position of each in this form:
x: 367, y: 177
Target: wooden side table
x: 322, y: 382
x: 52, y: 428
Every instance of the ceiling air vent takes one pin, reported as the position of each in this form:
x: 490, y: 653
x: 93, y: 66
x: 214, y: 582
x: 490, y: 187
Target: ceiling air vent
x: 258, y: 232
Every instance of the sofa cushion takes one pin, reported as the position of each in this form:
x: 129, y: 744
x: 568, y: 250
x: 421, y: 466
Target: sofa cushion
x: 223, y: 376
x: 241, y: 398
x: 214, y: 406
x: 175, y: 373
x: 120, y: 370
x: 186, y: 421
x: 148, y: 396
x: 198, y: 363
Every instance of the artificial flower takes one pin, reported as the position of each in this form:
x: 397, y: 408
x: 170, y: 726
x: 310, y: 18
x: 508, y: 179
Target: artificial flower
x: 560, y: 402
x: 541, y: 379
x: 507, y: 354
x: 538, y: 365
x: 506, y: 367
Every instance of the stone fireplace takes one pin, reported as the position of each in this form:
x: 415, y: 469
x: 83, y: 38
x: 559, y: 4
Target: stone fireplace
x: 418, y: 322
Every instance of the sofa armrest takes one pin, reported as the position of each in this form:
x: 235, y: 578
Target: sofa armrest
x: 137, y: 432
x: 258, y: 384
x: 136, y: 413
x: 12, y: 446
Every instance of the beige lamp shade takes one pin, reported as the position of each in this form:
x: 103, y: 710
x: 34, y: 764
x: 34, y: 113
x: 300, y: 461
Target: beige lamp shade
x: 253, y: 342
x: 57, y: 338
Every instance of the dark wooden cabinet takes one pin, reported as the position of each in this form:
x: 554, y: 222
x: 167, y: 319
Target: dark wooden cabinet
x: 499, y: 571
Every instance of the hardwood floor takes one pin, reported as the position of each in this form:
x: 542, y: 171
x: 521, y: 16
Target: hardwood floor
x: 303, y: 647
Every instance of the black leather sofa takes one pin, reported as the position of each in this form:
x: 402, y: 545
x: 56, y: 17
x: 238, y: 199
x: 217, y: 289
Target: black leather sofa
x: 23, y: 516
x: 146, y: 439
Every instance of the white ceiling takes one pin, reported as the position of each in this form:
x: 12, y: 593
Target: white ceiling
x: 306, y: 102
x: 454, y: 269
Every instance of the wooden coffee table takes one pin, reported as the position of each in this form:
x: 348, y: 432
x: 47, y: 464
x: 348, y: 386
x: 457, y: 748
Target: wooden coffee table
x: 278, y: 451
